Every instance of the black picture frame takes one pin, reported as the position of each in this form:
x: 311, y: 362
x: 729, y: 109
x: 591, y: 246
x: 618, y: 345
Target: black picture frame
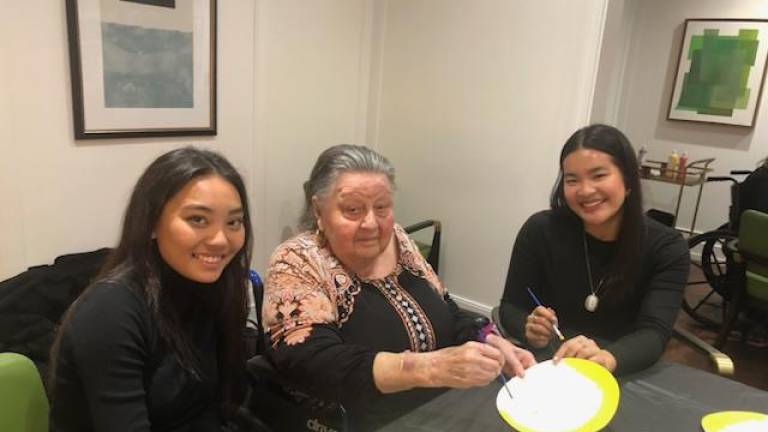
x: 142, y: 70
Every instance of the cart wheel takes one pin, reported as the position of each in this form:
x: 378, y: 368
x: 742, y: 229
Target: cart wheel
x: 712, y: 277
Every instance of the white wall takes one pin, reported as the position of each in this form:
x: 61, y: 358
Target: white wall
x: 616, y: 39
x: 652, y: 58
x: 476, y: 99
x: 11, y: 246
x: 292, y: 79
x: 471, y: 100
x: 60, y: 195
x: 312, y: 90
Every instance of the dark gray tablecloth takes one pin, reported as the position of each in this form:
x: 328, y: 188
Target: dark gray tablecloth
x: 666, y: 397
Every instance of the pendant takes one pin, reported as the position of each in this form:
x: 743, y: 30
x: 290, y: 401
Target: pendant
x: 590, y: 303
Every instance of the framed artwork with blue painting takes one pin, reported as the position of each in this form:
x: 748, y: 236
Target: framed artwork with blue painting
x: 720, y: 71
x: 142, y: 68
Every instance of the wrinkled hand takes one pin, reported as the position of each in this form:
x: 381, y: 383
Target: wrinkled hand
x: 539, y: 326
x: 468, y: 365
x: 516, y: 359
x: 585, y: 348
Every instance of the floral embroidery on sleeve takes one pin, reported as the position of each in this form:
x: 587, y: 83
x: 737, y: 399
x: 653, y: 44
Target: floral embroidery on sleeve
x: 293, y: 296
x: 305, y: 286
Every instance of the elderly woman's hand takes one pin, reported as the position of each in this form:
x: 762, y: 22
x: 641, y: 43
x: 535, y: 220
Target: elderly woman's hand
x: 468, y: 365
x: 516, y: 359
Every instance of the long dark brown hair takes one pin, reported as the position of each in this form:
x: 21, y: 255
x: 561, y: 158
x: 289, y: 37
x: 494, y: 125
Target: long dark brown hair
x: 607, y: 139
x: 136, y: 263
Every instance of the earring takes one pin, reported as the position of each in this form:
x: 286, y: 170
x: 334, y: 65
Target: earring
x: 320, y: 237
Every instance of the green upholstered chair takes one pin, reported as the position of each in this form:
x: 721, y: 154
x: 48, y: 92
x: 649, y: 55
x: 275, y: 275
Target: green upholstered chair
x: 23, y: 403
x: 752, y: 295
x: 428, y: 246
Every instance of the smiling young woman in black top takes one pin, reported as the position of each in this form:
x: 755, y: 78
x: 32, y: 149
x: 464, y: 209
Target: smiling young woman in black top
x: 610, y: 278
x: 155, y: 343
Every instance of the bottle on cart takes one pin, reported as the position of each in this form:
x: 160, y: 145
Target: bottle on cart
x: 641, y: 155
x: 672, y: 164
x: 682, y: 165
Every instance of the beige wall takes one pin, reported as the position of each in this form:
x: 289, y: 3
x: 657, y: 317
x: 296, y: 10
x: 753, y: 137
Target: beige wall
x: 474, y: 105
x: 471, y: 100
x: 12, y: 248
x: 656, y: 35
x: 60, y: 195
x: 312, y: 69
x: 293, y: 79
x: 616, y: 39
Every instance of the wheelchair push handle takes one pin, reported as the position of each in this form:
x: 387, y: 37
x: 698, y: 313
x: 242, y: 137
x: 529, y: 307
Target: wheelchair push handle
x: 721, y: 179
x: 729, y: 178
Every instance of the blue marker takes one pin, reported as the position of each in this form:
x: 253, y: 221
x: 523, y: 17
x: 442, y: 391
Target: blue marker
x: 538, y: 303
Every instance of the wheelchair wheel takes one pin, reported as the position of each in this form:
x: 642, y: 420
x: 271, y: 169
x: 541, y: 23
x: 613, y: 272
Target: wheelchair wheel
x: 712, y: 278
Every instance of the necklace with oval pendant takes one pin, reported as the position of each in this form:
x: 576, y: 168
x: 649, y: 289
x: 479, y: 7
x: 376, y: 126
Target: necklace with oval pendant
x: 592, y: 301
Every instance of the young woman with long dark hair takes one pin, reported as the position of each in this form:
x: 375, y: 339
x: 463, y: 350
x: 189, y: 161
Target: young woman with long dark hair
x: 608, y: 277
x: 155, y: 342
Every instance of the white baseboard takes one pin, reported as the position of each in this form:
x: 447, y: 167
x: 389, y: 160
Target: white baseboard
x: 472, y: 305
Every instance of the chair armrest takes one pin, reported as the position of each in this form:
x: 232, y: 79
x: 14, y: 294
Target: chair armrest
x: 421, y: 225
x: 259, y: 365
x: 432, y: 250
x: 496, y: 317
x: 722, y: 363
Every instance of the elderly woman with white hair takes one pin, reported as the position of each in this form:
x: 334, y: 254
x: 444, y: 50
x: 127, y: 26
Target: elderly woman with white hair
x: 356, y: 315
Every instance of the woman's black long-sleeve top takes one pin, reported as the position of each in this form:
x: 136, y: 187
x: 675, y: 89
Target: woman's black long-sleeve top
x: 115, y: 373
x: 549, y: 257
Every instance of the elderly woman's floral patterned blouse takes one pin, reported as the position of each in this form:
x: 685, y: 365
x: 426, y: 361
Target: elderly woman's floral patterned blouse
x: 326, y: 324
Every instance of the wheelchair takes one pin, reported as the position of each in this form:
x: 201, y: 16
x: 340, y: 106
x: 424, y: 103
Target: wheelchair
x: 716, y: 272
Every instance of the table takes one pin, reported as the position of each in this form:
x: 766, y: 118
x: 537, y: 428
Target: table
x: 665, y: 397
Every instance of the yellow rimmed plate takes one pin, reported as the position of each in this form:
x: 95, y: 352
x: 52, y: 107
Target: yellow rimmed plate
x: 573, y: 395
x: 748, y: 420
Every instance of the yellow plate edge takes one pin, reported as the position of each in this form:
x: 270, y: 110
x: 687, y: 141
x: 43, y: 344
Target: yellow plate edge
x: 611, y: 394
x: 713, y: 422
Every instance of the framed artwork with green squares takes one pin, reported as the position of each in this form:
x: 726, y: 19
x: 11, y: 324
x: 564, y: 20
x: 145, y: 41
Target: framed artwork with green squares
x: 720, y: 71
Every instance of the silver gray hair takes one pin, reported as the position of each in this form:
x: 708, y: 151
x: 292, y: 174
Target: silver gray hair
x: 330, y: 164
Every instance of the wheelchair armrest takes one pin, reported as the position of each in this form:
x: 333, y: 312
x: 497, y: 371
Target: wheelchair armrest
x: 421, y: 225
x: 722, y: 363
x: 275, y: 401
x: 432, y: 254
x: 751, y: 257
x: 259, y: 365
x: 496, y: 317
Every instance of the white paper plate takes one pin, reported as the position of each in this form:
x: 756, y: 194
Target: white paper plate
x: 573, y: 395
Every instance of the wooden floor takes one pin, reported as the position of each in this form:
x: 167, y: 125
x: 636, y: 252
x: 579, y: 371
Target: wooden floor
x: 750, y: 358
